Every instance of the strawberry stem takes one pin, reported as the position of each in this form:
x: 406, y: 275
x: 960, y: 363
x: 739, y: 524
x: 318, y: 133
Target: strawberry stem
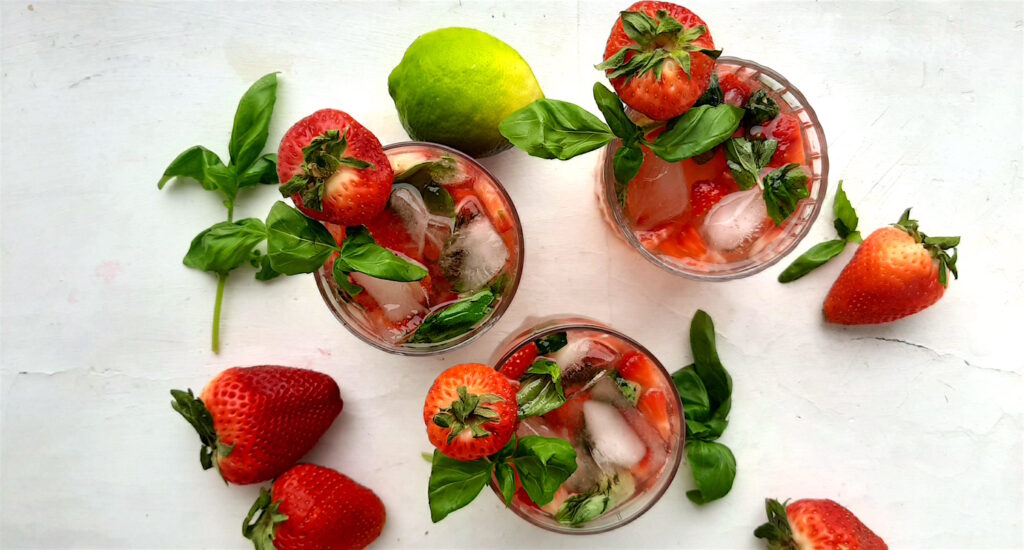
x: 261, y: 529
x: 468, y: 412
x: 936, y: 246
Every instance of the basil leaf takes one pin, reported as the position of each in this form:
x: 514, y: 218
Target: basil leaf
x: 783, y: 189
x: 583, y: 507
x: 552, y: 342
x: 615, y: 115
x: 340, y: 273
x: 198, y: 163
x: 714, y: 469
x: 454, y: 484
x: 747, y: 158
x: 266, y: 271
x: 543, y: 463
x: 705, y: 359
x: 845, y: 216
x: 456, y: 319
x: 628, y: 388
x: 760, y: 108
x: 252, y: 121
x: 713, y: 95
x: 549, y: 129
x: 816, y: 256
x: 295, y: 243
x: 225, y: 245
x: 262, y: 170
x: 541, y: 389
x: 361, y: 253
x: 693, y: 394
x: 506, y: 478
x: 627, y: 163
x: 427, y: 177
x: 696, y: 131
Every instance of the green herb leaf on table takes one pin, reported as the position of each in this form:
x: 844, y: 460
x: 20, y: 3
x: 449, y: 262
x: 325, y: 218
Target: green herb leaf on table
x: 697, y: 131
x: 197, y: 163
x: 696, y: 405
x: 252, y: 121
x: 266, y: 271
x: 543, y: 463
x: 454, y: 483
x: 541, y: 389
x: 549, y: 129
x: 815, y: 257
x: 747, y: 158
x: 783, y: 189
x: 705, y: 359
x: 456, y: 319
x: 296, y: 244
x: 714, y: 469
x: 760, y: 107
x: 225, y: 245
x: 845, y: 217
x: 552, y: 342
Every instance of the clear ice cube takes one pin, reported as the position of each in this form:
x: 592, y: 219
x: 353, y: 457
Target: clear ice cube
x: 475, y: 253
x: 582, y: 359
x: 407, y: 202
x: 606, y: 390
x: 398, y: 300
x: 736, y: 221
x: 613, y: 441
x: 657, y: 194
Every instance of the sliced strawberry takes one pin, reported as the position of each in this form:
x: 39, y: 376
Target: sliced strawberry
x: 786, y: 130
x: 520, y: 361
x: 639, y: 368
x: 389, y: 231
x: 494, y: 205
x: 735, y: 92
x: 470, y: 411
x: 659, y: 74
x: 334, y: 169
x: 654, y: 406
x: 570, y: 415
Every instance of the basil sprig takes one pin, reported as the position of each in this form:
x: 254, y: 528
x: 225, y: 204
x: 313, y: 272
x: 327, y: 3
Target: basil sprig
x: 542, y: 463
x: 760, y: 107
x: 846, y: 227
x: 705, y: 389
x: 541, y: 389
x: 226, y: 245
x: 455, y: 319
x: 782, y: 188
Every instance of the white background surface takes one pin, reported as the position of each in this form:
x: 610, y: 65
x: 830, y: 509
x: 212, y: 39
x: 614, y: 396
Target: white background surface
x: 916, y: 426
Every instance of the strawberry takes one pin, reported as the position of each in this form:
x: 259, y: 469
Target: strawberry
x: 334, y: 169
x: 735, y: 92
x: 815, y: 525
x: 784, y: 129
x: 707, y: 193
x: 659, y: 58
x: 896, y: 272
x: 520, y: 361
x: 639, y: 368
x: 312, y: 507
x: 256, y: 422
x: 654, y: 406
x: 470, y: 411
x: 570, y: 415
x: 389, y: 230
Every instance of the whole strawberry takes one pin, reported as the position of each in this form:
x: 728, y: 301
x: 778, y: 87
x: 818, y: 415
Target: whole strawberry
x: 314, y: 508
x: 659, y: 58
x: 896, y: 272
x: 470, y: 411
x: 256, y: 422
x: 815, y: 525
x: 334, y: 169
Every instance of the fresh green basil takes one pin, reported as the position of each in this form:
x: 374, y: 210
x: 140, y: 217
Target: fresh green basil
x: 544, y: 464
x: 615, y: 115
x: 816, y: 256
x: 340, y: 272
x: 693, y: 394
x: 361, y: 253
x: 506, y: 479
x: 197, y: 163
x: 266, y: 271
x: 747, y: 158
x: 252, y: 121
x: 628, y: 388
x: 549, y: 129
x: 706, y: 361
x: 697, y: 131
x: 552, y: 342
x: 428, y: 178
x: 845, y: 217
x: 583, y: 507
x: 458, y: 318
x: 225, y: 245
x: 626, y: 164
x: 783, y: 189
x: 295, y: 243
x: 262, y: 171
x: 454, y: 483
x: 541, y: 389
x: 714, y: 469
x: 760, y: 108
x: 713, y: 95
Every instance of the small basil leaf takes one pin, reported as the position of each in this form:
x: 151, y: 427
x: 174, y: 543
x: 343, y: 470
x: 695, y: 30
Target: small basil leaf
x: 550, y: 129
x: 262, y: 171
x: 361, y: 253
x: 705, y: 359
x: 760, y: 108
x: 628, y: 388
x: 583, y: 507
x: 252, y: 121
x: 615, y: 114
x: 428, y: 178
x: 225, y: 245
x: 783, y: 189
x: 458, y: 318
x: 845, y: 216
x: 714, y: 469
x: 340, y: 273
x: 697, y: 131
x: 198, y: 163
x: 295, y: 243
x: 713, y: 95
x: 454, y: 484
x: 816, y: 256
x: 693, y: 394
x: 543, y: 463
x: 506, y: 478
x: 541, y: 389
x: 266, y: 271
x: 552, y: 342
x: 627, y: 163
x: 747, y: 158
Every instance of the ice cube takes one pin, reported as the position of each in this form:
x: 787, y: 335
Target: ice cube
x: 587, y: 473
x: 613, y: 441
x: 657, y: 194
x: 582, y: 359
x: 605, y: 389
x: 473, y: 255
x: 407, y: 202
x: 398, y: 300
x: 736, y: 221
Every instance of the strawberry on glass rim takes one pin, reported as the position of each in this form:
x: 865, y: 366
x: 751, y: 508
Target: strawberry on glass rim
x: 470, y: 412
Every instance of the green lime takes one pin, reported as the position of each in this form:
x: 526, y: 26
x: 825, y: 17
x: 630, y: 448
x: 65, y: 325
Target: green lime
x: 455, y: 85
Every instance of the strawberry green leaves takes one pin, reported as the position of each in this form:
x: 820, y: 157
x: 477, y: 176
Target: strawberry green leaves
x: 652, y: 35
x: 846, y: 226
x: 322, y: 158
x: 458, y: 318
x: 225, y: 246
x: 705, y: 389
x: 936, y: 246
x: 543, y: 465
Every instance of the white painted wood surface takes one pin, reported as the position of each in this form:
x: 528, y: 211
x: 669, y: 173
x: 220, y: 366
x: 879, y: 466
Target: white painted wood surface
x: 916, y: 426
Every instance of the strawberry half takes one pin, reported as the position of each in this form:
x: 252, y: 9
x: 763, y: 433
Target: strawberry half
x: 521, y: 360
x: 659, y: 58
x: 314, y: 507
x: 639, y: 368
x: 256, y: 422
x: 896, y: 272
x: 334, y: 169
x: 470, y: 411
x: 815, y: 525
